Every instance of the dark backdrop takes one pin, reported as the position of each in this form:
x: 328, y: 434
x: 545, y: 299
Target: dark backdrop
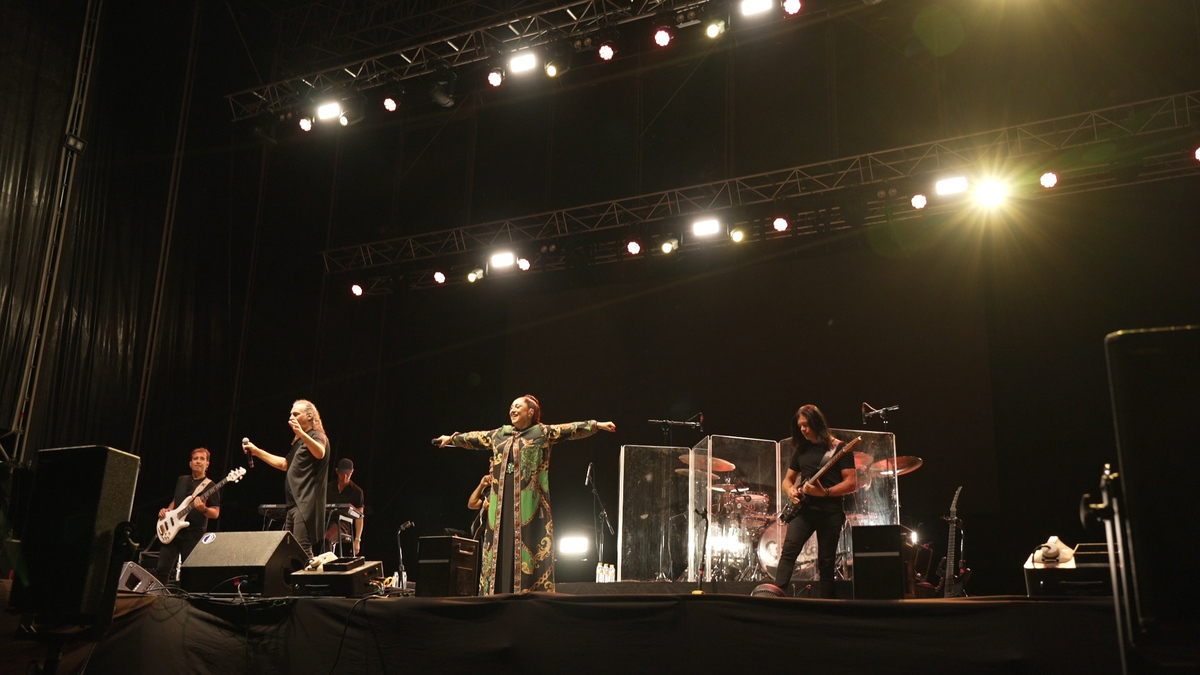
x: 987, y: 334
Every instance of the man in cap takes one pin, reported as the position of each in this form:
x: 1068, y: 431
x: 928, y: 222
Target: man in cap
x: 344, y: 491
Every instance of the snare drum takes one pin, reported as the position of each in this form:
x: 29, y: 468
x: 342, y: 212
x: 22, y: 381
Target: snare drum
x: 771, y: 544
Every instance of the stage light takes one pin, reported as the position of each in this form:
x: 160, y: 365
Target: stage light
x: 1049, y: 179
x: 706, y: 227
x: 737, y: 236
x: 503, y: 259
x: 662, y: 36
x: 670, y: 245
x: 305, y: 124
x: 633, y: 247
x: 439, y: 277
x: 791, y: 7
x: 919, y: 202
x: 1198, y: 154
x: 780, y: 224
x: 607, y: 51
x: 356, y: 290
x: 522, y: 61
x: 751, y: 7
x: 949, y: 186
x: 343, y: 120
x: 553, y: 69
x: 715, y: 28
x: 329, y: 111
x: 991, y: 193
x: 523, y: 264
x: 475, y: 275
x: 495, y: 77
x: 687, y: 18
x: 573, y: 545
x: 390, y: 104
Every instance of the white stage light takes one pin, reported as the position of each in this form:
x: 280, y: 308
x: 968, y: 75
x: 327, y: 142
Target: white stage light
x: 390, y: 104
x: 305, y: 124
x: 737, y: 236
x: 523, y: 264
x: 475, y: 275
x: 750, y: 7
x: 706, y: 227
x: 329, y: 111
x: 439, y: 277
x: 949, y: 186
x: 670, y: 245
x: 715, y: 28
x: 991, y: 193
x: 522, y: 62
x: 573, y: 545
x: 356, y: 290
x: 791, y: 7
x: 1049, y: 179
x: 919, y: 202
x: 662, y: 36
x: 780, y: 224
x: 633, y: 247
x: 503, y: 259
x: 495, y: 77
x: 607, y: 51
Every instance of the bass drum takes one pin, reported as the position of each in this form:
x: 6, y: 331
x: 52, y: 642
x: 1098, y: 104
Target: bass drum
x: 771, y: 544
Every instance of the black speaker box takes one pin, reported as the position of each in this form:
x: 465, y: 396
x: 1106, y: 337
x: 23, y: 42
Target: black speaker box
x: 80, y: 495
x: 883, y: 562
x: 447, y: 566
x: 256, y: 562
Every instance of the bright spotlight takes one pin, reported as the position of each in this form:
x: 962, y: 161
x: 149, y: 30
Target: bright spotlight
x: 329, y: 111
x: 607, y: 51
x: 670, y: 245
x: 715, y: 28
x: 633, y: 247
x: 551, y: 69
x: 503, y: 259
x: 949, y: 186
x: 662, y: 36
x: 750, y: 7
x: 737, y: 236
x: 1049, y: 179
x: 991, y: 193
x: 305, y: 124
x: 919, y: 202
x: 573, y: 545
x: 343, y: 120
x: 706, y: 227
x: 389, y: 104
x: 439, y: 277
x: 1198, y: 154
x: 523, y: 264
x: 496, y: 77
x: 791, y: 7
x: 475, y: 275
x: 522, y: 62
x: 356, y: 290
x: 780, y: 224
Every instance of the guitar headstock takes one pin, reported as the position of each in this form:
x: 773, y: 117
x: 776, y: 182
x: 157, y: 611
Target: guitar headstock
x: 236, y: 475
x: 954, y: 503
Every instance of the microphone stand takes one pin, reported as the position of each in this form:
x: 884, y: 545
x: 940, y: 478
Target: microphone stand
x: 599, y: 520
x: 881, y: 413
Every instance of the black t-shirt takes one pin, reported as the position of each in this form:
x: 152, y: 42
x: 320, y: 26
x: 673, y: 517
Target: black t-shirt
x: 184, y: 487
x: 353, y: 494
x: 807, y: 460
x: 306, y: 475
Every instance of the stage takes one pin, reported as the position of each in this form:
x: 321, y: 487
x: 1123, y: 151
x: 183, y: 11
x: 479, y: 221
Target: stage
x: 637, y: 630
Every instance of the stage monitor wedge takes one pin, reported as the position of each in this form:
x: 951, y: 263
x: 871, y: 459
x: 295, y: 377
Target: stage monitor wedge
x: 257, y: 562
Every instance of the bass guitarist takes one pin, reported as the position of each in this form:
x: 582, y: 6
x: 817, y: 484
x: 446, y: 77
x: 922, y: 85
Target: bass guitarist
x: 821, y: 508
x: 188, y: 487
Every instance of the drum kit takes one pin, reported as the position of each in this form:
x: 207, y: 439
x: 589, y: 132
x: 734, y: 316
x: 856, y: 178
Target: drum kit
x: 746, y: 536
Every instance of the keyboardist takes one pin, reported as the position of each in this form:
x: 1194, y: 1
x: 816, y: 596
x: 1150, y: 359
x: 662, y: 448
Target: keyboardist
x: 344, y: 491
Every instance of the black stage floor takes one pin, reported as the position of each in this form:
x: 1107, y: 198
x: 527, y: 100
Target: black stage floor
x: 646, y: 632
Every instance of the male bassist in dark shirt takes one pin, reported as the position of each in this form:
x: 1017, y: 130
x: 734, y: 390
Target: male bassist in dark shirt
x: 821, y: 510
x: 189, y: 487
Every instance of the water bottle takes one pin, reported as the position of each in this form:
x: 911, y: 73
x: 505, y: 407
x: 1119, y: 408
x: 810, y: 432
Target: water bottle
x: 599, y: 573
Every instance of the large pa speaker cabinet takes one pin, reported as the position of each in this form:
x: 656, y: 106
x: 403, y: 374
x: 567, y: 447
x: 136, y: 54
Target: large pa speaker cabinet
x: 254, y: 562
x: 79, y: 497
x: 447, y: 566
x: 883, y: 560
x: 1154, y: 381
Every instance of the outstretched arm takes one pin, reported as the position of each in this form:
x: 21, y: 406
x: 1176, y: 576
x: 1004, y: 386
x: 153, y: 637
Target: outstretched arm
x: 271, y: 460
x: 472, y: 440
x: 576, y: 430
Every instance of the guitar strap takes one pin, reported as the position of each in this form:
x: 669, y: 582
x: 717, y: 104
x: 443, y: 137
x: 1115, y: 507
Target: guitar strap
x: 202, y: 486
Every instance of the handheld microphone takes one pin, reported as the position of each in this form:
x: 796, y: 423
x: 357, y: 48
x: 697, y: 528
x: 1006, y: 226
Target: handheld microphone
x: 587, y: 480
x: 249, y: 457
x: 407, y: 524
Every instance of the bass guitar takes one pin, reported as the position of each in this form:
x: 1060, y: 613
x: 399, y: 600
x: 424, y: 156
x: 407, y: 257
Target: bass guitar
x: 792, y: 508
x: 175, y: 520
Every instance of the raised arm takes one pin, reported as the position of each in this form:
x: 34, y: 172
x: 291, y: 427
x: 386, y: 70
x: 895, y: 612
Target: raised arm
x: 471, y: 440
x: 272, y: 460
x: 315, y: 446
x: 574, y: 431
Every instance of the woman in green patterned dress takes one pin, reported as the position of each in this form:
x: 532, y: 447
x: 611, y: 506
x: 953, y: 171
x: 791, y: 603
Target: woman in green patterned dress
x: 520, y: 464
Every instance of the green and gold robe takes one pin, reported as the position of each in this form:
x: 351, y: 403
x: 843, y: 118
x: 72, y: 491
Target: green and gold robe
x: 526, y: 454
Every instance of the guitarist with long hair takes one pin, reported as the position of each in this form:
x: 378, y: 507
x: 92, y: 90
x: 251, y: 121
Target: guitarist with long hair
x: 821, y: 500
x: 189, y: 487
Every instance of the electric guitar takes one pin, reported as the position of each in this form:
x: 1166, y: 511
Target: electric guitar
x: 953, y: 578
x: 170, y: 524
x: 792, y: 508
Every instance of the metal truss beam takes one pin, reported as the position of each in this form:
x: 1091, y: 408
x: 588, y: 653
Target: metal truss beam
x: 410, y: 38
x: 1014, y: 151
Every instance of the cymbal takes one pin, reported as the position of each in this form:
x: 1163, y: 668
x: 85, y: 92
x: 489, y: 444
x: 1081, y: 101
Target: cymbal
x: 862, y: 461
x: 718, y: 464
x: 686, y: 472
x: 902, y: 465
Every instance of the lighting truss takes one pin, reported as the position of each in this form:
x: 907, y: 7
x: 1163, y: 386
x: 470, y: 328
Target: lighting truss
x: 404, y: 39
x: 613, y: 222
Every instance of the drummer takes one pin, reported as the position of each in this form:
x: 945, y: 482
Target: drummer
x: 822, y: 509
